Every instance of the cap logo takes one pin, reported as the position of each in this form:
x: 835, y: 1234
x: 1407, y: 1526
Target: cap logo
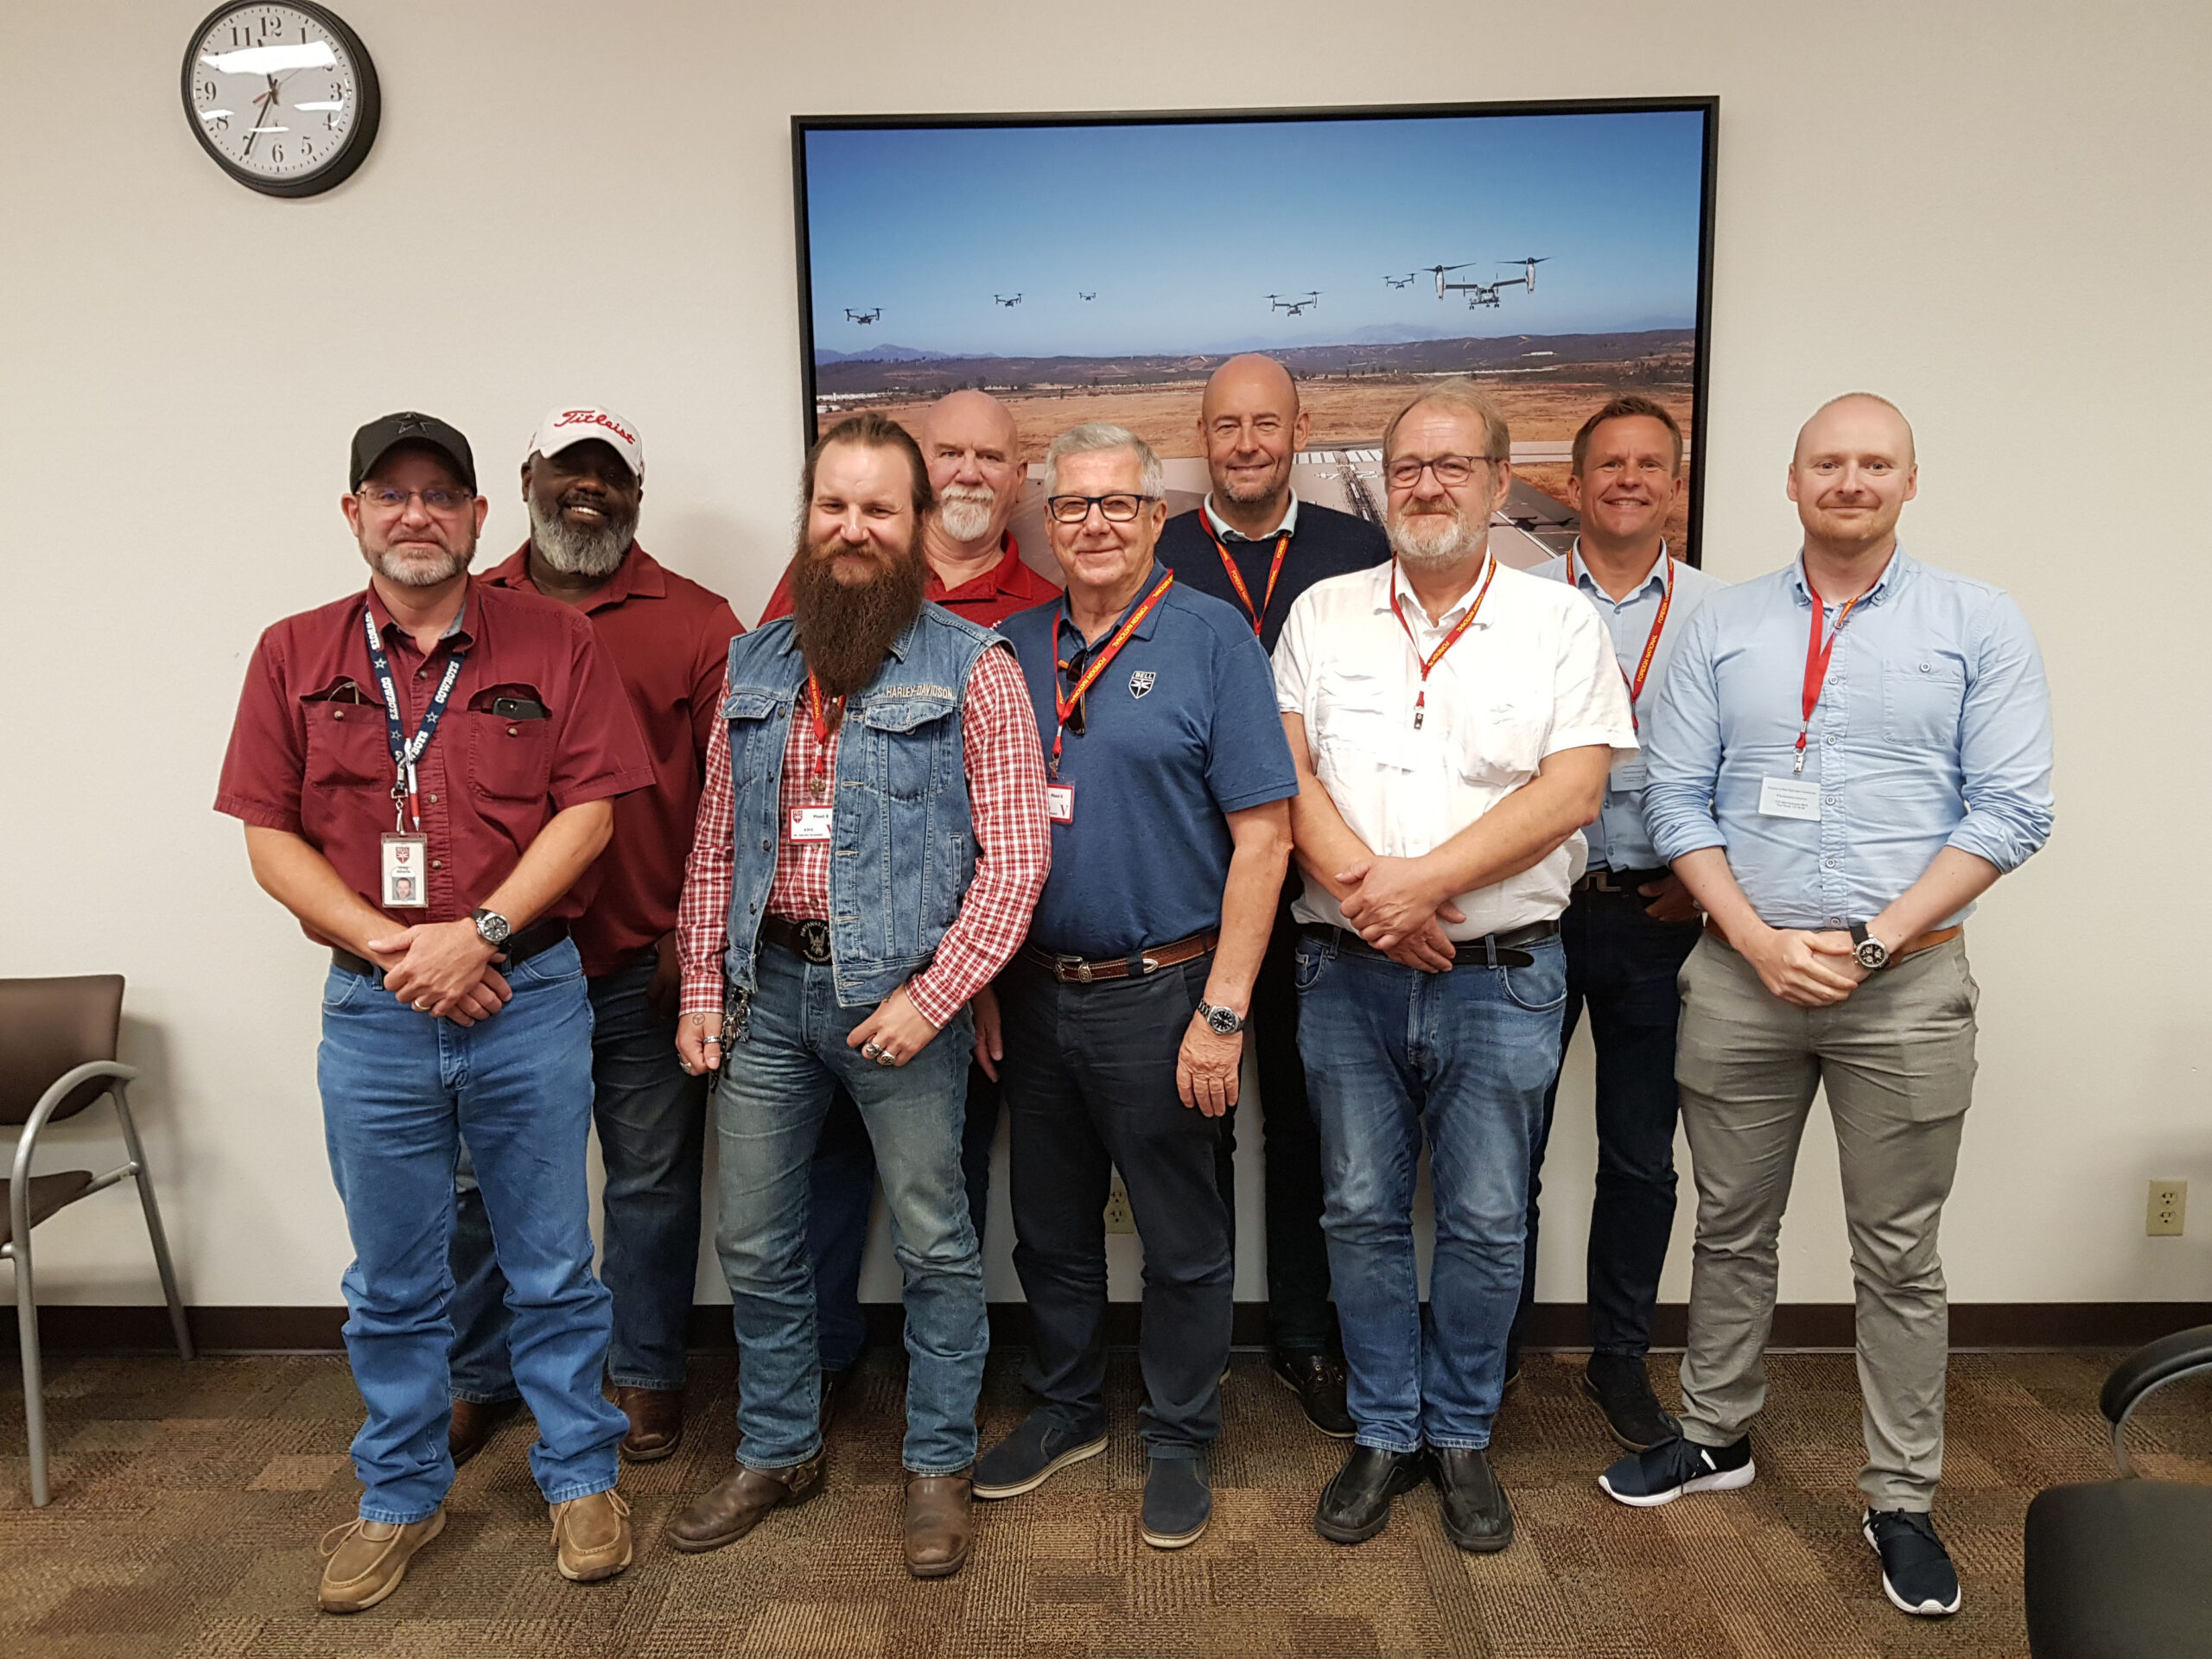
x: 594, y: 417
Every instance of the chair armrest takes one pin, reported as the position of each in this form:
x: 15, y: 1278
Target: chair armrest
x: 2154, y: 1366
x: 63, y: 1086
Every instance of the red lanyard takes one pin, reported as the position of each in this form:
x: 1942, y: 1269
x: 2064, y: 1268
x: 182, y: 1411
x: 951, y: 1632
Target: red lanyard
x: 1651, y: 645
x: 1420, y: 701
x: 817, y: 709
x: 1816, y: 664
x: 1065, y: 705
x: 1236, y: 577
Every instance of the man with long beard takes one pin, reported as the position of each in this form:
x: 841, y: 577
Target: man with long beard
x: 424, y: 771
x: 975, y: 571
x: 1454, y: 722
x: 583, y: 482
x: 870, y: 844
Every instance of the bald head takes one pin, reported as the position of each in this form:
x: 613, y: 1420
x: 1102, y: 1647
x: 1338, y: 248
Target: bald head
x: 1851, y: 474
x: 974, y: 451
x: 1859, y: 414
x: 1249, y: 426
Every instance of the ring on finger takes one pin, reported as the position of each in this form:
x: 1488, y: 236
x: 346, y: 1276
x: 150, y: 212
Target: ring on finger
x: 884, y: 1056
x: 871, y: 1051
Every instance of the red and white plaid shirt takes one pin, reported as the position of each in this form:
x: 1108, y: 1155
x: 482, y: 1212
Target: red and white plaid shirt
x: 1006, y: 798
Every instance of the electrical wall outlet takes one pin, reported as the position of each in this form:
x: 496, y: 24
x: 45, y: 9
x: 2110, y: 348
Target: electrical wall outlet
x: 1118, y: 1218
x: 2169, y: 1209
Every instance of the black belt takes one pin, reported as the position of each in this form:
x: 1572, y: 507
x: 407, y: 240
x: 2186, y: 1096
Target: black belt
x: 1623, y: 883
x: 807, y: 939
x: 519, y: 947
x: 1492, y: 951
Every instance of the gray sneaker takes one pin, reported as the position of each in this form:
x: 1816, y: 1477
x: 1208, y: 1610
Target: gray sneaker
x: 1032, y: 1455
x: 1177, y: 1501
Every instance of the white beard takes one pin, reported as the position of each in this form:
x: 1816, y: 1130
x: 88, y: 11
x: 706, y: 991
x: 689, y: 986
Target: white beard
x: 1431, y: 541
x: 592, y: 553
x: 964, y: 513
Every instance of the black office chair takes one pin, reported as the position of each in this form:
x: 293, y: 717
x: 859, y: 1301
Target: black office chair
x: 2122, y: 1569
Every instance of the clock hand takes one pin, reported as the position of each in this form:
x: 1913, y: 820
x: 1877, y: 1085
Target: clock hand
x: 267, y: 101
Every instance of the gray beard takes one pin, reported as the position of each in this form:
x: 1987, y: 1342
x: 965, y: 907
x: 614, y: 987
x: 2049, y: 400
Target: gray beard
x: 415, y: 570
x: 591, y: 553
x: 964, y: 518
x: 1425, y: 550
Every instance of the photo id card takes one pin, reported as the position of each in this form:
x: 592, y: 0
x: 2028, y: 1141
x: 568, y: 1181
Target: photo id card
x: 406, y: 872
x: 1059, y: 803
x: 1626, y: 777
x: 1791, y: 798
x: 811, y: 822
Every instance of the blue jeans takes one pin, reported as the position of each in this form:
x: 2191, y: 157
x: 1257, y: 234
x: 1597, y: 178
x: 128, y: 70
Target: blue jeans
x: 652, y: 1120
x: 400, y: 1093
x: 769, y: 1104
x: 1465, y: 1056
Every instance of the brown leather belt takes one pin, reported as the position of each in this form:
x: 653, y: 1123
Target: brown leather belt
x: 1912, y: 947
x: 519, y: 947
x: 1076, y: 970
x: 809, y: 940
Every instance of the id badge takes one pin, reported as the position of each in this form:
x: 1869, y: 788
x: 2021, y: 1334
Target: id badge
x: 1628, y: 777
x: 1059, y: 803
x: 811, y: 822
x: 406, y: 872
x: 1791, y: 798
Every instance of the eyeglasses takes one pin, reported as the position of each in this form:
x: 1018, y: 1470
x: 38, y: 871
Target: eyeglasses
x: 1451, y: 471
x: 441, y: 502
x: 1117, y: 509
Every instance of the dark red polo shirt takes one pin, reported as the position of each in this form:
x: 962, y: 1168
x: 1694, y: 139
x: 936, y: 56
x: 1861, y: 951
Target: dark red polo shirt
x: 669, y: 639
x: 1008, y: 586
x: 309, y: 752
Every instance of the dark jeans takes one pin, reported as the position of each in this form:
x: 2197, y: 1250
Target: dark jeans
x: 1299, y: 1319
x: 651, y: 1120
x: 1622, y: 964
x: 844, y: 1192
x: 1089, y: 1075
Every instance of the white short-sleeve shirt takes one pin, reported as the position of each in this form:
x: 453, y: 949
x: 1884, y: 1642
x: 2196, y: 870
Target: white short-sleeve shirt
x: 1533, y: 675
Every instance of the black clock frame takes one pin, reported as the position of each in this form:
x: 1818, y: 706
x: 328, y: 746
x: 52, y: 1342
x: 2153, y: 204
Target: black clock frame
x: 368, y: 97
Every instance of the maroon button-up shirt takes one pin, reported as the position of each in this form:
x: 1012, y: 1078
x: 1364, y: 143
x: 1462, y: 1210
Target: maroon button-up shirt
x: 309, y: 752
x: 669, y: 639
x: 1006, y: 587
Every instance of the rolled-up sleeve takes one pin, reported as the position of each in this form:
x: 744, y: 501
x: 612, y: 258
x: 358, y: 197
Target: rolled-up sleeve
x: 1682, y: 749
x: 2005, y: 744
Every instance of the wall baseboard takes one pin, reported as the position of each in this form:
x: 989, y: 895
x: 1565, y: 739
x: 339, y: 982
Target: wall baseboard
x: 230, y: 1330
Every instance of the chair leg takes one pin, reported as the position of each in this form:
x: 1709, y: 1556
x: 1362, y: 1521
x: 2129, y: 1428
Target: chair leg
x: 145, y: 1180
x: 34, y: 1381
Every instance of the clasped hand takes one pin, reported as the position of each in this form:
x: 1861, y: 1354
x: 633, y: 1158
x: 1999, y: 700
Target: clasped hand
x: 1813, y: 970
x: 1393, y: 905
x: 443, y: 970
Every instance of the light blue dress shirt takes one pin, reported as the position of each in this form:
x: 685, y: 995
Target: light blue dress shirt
x: 1933, y: 730
x: 1619, y: 839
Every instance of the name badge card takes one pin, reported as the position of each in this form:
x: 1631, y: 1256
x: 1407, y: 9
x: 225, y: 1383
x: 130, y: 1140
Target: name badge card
x: 1627, y: 777
x: 406, y: 872
x: 1791, y: 798
x: 811, y: 822
x: 1059, y: 803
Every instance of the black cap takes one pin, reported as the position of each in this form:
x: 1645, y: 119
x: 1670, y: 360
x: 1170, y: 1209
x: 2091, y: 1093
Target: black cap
x: 373, y: 441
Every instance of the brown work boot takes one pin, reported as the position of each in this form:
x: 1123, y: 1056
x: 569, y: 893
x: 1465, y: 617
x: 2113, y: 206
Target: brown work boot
x: 591, y: 1536
x: 472, y: 1424
x: 938, y: 1525
x: 738, y: 1502
x: 656, y: 1422
x: 369, y: 1558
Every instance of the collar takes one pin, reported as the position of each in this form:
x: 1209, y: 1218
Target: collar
x: 992, y: 582
x: 1893, y: 573
x: 1396, y: 583
x: 1143, y: 630
x: 638, y: 576
x: 456, y: 631
x: 1656, y: 577
x: 1229, y: 532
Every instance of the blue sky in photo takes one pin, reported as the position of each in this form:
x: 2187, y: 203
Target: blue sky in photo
x: 1182, y: 229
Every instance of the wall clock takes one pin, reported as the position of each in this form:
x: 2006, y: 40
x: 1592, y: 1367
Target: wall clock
x: 282, y: 96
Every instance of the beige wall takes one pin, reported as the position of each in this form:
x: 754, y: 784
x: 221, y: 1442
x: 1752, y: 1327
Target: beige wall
x: 1996, y: 214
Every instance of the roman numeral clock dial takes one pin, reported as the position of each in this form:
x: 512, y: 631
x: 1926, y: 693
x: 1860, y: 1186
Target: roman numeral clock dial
x: 283, y: 97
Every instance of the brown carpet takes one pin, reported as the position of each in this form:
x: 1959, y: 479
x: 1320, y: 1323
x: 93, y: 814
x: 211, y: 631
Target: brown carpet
x: 188, y: 1500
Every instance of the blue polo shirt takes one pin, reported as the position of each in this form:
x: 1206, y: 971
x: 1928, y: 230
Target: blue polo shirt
x: 1180, y: 730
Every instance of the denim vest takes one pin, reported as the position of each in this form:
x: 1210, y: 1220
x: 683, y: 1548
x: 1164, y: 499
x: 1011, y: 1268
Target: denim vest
x: 902, y: 846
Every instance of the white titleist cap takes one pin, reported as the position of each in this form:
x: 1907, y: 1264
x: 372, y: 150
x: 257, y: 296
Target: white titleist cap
x: 571, y: 424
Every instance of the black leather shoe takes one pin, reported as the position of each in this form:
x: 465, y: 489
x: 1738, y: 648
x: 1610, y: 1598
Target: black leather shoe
x: 1356, y: 1504
x: 1622, y: 1389
x: 1318, y: 1379
x: 1476, y: 1517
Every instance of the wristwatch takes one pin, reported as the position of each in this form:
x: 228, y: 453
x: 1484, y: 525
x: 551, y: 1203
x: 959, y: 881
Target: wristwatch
x: 492, y: 927
x: 1221, y: 1021
x: 1867, y: 951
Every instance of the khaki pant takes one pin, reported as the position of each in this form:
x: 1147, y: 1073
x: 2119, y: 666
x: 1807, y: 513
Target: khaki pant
x: 1897, y: 1060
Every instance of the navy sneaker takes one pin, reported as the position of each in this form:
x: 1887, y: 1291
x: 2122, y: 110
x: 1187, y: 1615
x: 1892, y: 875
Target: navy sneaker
x: 1032, y: 1455
x: 1672, y: 1467
x: 1917, y: 1572
x: 1177, y: 1501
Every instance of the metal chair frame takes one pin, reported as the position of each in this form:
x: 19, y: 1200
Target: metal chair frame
x: 18, y: 1247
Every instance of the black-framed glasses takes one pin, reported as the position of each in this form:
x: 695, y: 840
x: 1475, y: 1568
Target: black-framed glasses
x: 439, y: 501
x: 1116, y: 509
x: 1451, y: 471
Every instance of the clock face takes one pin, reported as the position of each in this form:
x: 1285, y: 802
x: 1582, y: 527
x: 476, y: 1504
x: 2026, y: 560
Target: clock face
x: 283, y: 97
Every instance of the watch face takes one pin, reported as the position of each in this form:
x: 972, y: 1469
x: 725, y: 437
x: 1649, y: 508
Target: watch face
x: 1870, y: 954
x: 492, y: 926
x: 1224, y: 1023
x: 283, y: 97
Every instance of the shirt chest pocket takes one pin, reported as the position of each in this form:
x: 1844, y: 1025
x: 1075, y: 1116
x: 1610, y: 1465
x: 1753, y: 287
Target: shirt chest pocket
x: 509, y: 743
x: 1921, y: 700
x: 1357, y: 730
x: 747, y: 712
x: 910, y: 733
x: 346, y: 746
x: 1499, y: 744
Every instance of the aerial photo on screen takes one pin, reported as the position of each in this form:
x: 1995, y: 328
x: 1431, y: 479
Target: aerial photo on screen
x: 1101, y: 271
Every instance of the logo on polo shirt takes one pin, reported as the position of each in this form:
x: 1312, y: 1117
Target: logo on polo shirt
x: 1142, y: 682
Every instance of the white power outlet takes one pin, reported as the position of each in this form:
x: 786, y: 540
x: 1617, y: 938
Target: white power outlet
x: 2169, y: 1210
x: 1118, y: 1218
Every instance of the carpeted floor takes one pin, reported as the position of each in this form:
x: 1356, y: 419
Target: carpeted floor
x: 188, y: 1500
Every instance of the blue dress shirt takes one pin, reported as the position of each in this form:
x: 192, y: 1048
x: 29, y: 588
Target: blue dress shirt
x: 1619, y: 841
x: 1933, y: 730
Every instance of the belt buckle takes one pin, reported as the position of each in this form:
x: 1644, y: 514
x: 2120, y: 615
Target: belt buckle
x: 1072, y: 970
x: 814, y: 940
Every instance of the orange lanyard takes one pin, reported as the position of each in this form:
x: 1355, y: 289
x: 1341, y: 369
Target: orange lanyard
x: 1421, y: 700
x: 1236, y: 577
x: 1065, y: 705
x: 817, y: 709
x: 1816, y: 664
x: 1651, y: 645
